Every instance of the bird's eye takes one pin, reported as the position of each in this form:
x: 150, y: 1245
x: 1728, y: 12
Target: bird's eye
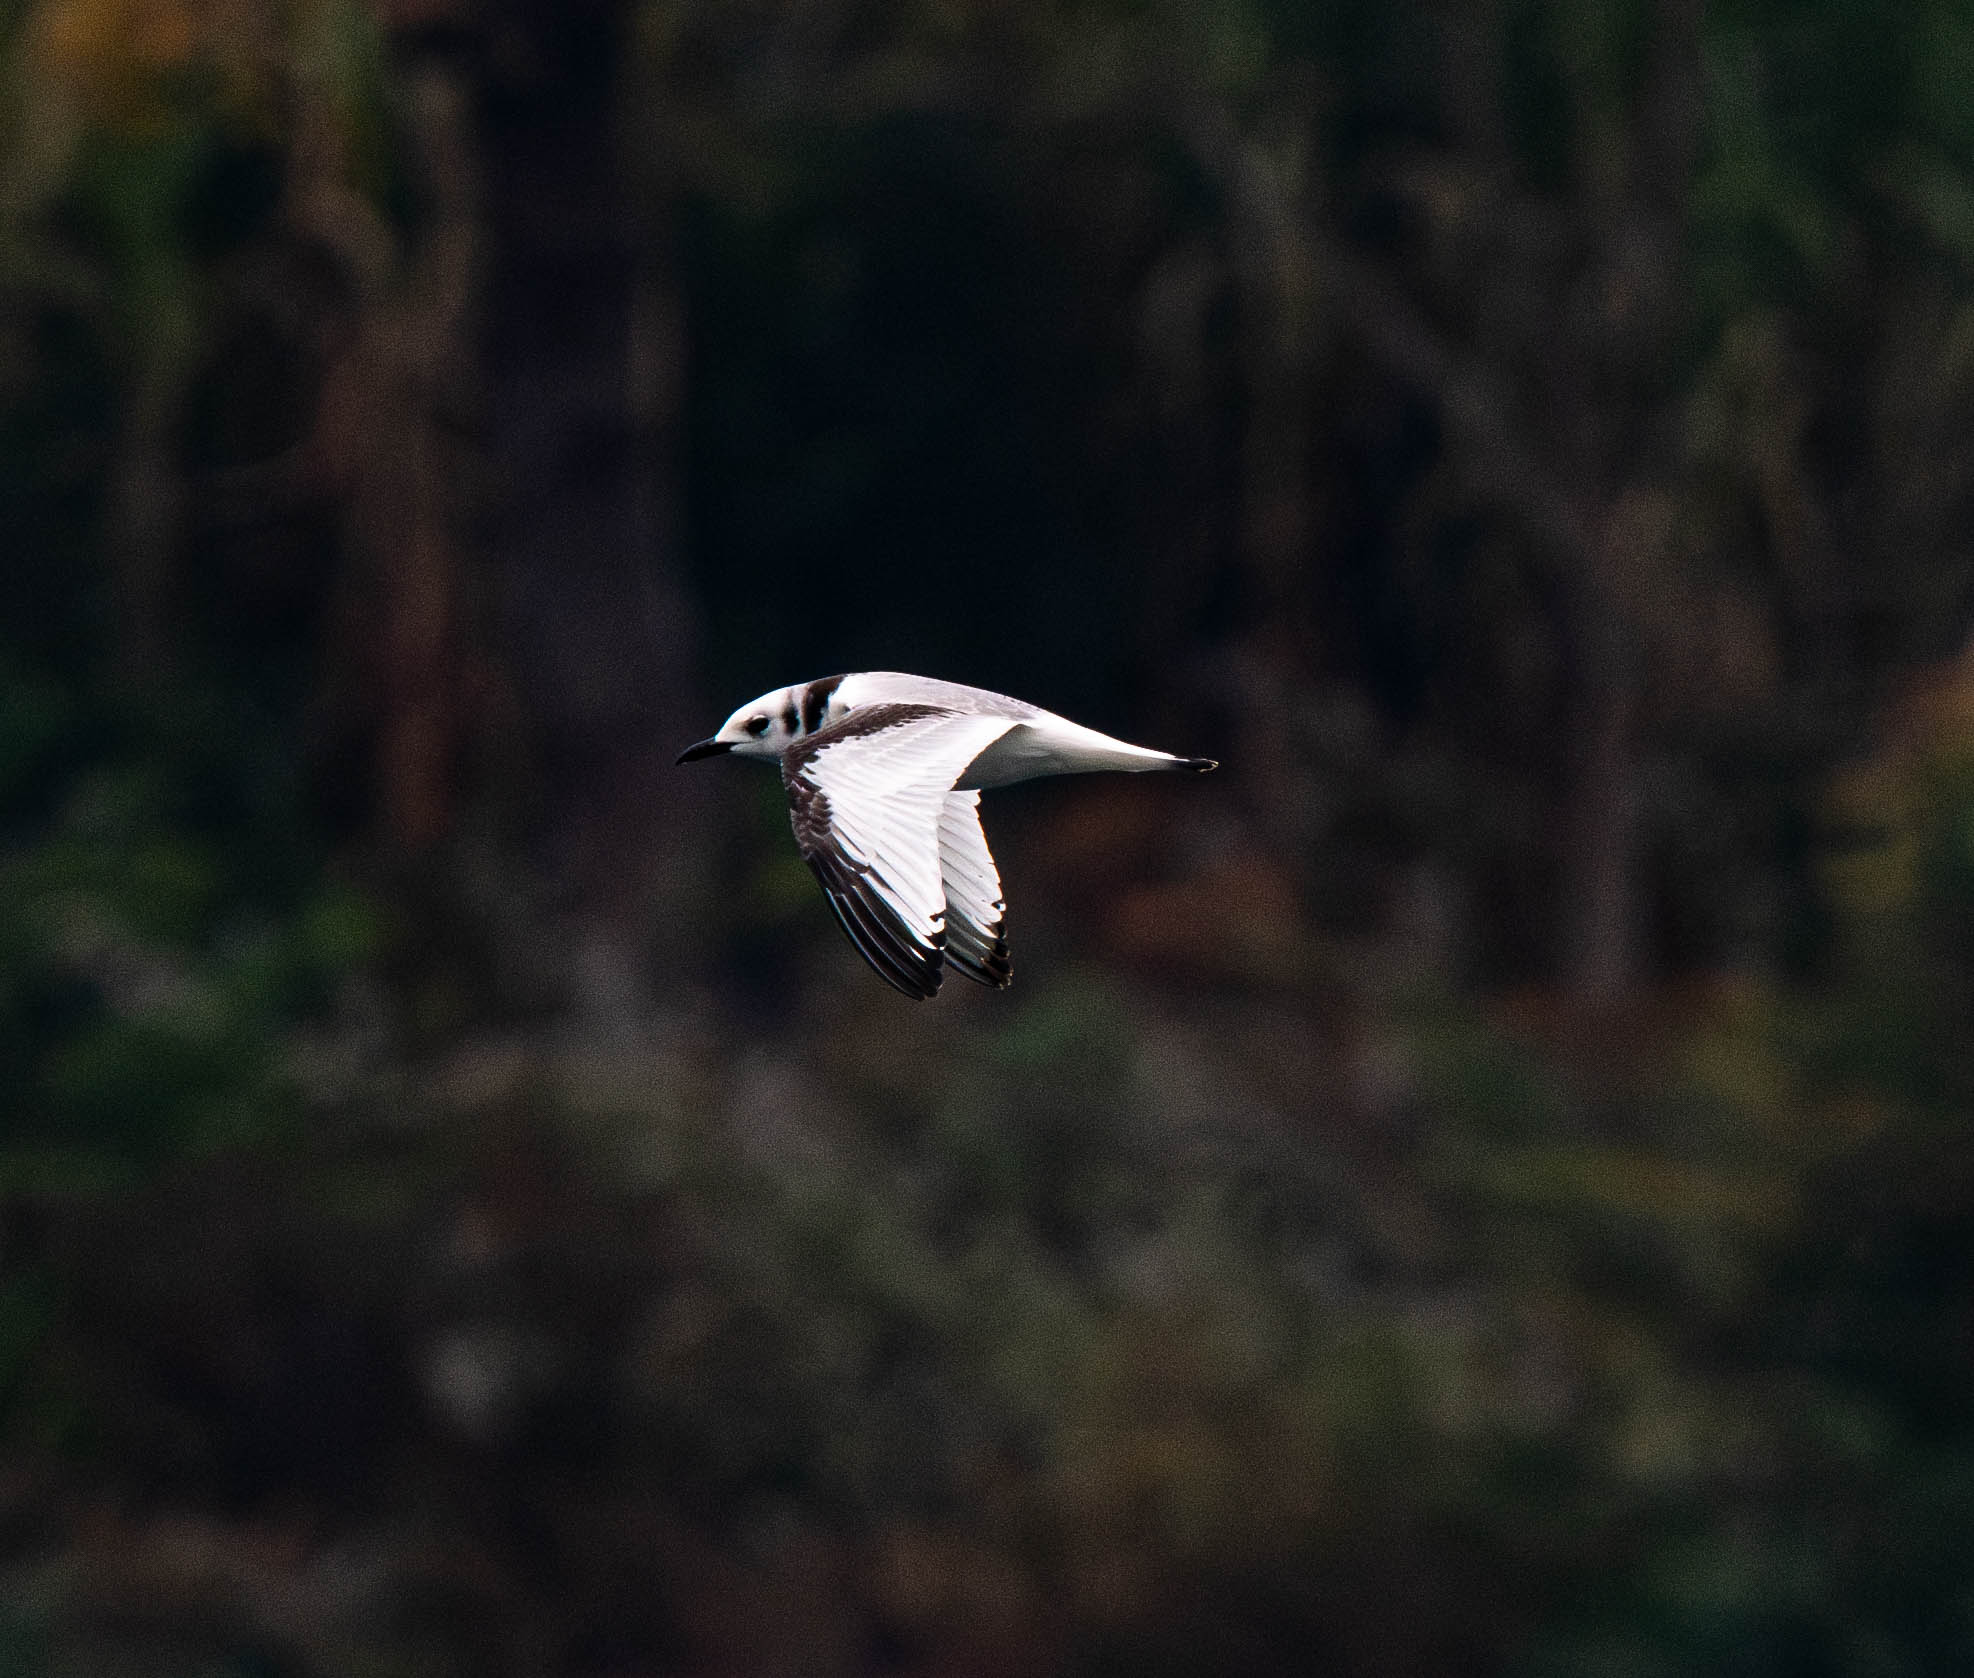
x: 757, y: 726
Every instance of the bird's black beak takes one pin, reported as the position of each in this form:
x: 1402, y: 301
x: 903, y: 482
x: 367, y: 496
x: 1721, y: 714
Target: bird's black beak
x: 705, y: 748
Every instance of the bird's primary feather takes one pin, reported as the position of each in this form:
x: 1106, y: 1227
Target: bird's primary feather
x: 866, y: 799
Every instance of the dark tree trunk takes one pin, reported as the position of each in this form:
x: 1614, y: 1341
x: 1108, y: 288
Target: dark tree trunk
x: 584, y: 340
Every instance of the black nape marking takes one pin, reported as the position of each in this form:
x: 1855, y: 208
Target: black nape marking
x: 789, y: 718
x: 872, y: 719
x: 815, y: 701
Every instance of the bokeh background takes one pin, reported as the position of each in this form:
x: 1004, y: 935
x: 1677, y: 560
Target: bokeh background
x: 1484, y: 1184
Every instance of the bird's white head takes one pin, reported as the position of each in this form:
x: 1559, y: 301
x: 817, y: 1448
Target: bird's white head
x: 768, y: 726
x: 763, y: 727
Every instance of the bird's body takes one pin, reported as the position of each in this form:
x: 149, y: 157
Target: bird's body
x: 884, y: 773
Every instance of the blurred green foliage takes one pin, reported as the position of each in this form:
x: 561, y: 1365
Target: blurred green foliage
x: 166, y: 921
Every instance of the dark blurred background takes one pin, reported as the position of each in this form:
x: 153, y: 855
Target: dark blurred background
x: 1484, y: 1184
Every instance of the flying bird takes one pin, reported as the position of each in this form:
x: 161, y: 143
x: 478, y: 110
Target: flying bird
x: 884, y: 773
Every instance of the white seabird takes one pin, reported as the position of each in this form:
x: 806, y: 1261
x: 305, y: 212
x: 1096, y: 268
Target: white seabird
x: 884, y: 773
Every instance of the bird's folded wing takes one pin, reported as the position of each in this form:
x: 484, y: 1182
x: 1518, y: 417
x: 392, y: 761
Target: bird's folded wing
x: 865, y: 797
x: 976, y: 914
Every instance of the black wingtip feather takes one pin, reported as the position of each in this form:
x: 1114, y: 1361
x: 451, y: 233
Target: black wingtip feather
x: 981, y: 954
x: 885, y: 944
x: 870, y: 945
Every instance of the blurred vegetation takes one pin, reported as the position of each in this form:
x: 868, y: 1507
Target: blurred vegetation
x: 1486, y: 1185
